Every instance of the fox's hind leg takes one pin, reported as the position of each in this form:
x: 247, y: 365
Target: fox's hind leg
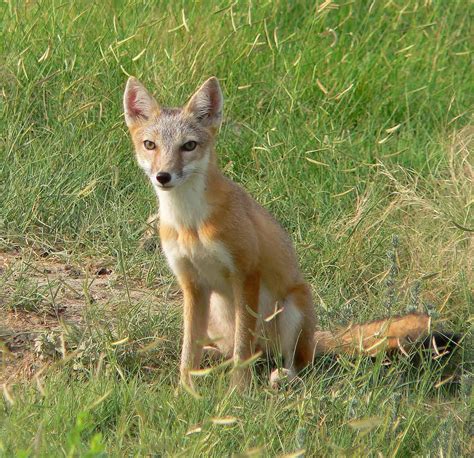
x: 221, y: 325
x: 296, y: 325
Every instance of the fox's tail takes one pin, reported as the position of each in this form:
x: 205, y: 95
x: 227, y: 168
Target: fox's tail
x: 396, y: 334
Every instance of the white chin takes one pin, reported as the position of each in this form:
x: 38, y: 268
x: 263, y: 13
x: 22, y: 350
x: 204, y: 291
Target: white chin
x: 164, y: 188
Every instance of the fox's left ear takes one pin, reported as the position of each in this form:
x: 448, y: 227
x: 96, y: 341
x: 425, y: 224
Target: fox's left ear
x: 206, y: 103
x: 138, y: 103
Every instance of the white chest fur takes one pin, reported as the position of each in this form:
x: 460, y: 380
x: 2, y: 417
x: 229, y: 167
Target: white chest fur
x: 208, y: 258
x: 185, y: 209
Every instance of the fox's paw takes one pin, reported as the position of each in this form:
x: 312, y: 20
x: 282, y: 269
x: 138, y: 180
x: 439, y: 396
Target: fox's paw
x: 186, y: 385
x: 281, y: 377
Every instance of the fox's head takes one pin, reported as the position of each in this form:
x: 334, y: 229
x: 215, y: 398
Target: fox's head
x: 173, y: 144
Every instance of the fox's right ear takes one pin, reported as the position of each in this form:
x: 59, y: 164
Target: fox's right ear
x: 138, y: 104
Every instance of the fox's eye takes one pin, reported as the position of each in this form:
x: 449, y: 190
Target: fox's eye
x: 189, y: 146
x: 149, y: 144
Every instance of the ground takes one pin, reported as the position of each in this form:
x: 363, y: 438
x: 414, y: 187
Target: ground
x: 351, y: 122
x: 46, y: 294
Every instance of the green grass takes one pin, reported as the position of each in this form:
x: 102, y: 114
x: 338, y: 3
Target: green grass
x: 349, y: 122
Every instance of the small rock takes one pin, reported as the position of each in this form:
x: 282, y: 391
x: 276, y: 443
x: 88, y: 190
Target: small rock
x: 103, y: 271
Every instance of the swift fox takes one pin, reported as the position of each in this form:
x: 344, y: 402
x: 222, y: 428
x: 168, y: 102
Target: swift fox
x: 243, y: 290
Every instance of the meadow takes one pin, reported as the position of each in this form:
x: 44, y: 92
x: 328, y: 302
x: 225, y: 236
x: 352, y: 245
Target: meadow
x: 351, y: 121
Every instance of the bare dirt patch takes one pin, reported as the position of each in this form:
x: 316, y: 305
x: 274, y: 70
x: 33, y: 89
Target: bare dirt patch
x: 40, y: 294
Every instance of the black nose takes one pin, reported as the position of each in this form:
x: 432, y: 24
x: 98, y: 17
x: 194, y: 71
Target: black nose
x: 163, y: 177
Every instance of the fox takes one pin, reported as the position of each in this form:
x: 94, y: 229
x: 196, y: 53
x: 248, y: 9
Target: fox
x: 243, y: 290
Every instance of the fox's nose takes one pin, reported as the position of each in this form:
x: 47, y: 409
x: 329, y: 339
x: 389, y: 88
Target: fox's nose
x: 163, y: 177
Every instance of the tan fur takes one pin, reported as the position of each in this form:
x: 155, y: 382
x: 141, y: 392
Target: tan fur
x: 242, y: 287
x: 397, y: 333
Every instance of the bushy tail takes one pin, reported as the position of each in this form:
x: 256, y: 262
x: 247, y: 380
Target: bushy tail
x: 391, y: 334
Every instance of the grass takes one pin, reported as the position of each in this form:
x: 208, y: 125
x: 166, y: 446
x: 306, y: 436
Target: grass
x: 350, y: 122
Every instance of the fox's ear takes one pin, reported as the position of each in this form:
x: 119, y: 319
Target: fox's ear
x: 138, y: 104
x: 206, y: 103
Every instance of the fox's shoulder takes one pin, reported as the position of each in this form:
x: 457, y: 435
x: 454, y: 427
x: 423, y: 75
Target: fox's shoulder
x: 244, y: 210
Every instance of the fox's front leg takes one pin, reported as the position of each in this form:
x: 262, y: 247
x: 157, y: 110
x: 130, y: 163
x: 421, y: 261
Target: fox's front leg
x: 196, y: 313
x: 246, y: 292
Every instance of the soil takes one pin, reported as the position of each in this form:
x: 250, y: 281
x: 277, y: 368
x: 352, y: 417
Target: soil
x: 56, y: 293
